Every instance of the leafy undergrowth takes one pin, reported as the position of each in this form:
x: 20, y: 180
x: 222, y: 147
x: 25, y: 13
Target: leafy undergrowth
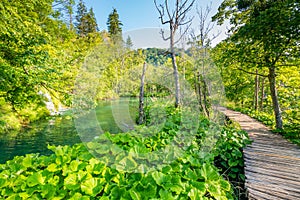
x: 291, y: 130
x: 175, y: 162
x: 13, y: 120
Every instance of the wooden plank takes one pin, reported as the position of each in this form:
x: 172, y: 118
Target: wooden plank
x: 272, y: 181
x: 272, y: 156
x: 271, y: 172
x: 282, y: 150
x: 261, y: 149
x: 284, y: 171
x: 273, y: 193
x: 272, y: 164
x: 263, y: 187
x: 277, y: 160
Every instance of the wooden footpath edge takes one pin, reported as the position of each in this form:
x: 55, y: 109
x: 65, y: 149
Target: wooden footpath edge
x: 272, y: 164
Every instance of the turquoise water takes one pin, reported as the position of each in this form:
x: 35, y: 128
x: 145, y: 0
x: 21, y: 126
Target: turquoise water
x: 113, y: 116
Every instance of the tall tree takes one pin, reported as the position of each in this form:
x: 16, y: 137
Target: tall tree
x: 92, y: 23
x: 266, y: 35
x: 66, y: 7
x: 114, y: 25
x: 86, y: 21
x: 175, y: 18
x: 128, y: 43
x: 81, y: 18
x: 141, y: 97
x: 200, y: 46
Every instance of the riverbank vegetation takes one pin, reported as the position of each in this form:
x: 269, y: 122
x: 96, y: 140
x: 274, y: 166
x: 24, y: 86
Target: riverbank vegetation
x: 164, y: 165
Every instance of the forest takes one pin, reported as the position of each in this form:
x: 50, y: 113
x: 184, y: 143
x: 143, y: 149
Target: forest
x: 180, y: 146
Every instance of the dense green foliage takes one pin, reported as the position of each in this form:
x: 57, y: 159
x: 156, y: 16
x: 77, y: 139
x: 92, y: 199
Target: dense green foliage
x: 265, y: 38
x: 155, y: 56
x: 41, y: 55
x: 73, y: 172
x: 259, y: 62
x: 30, y: 58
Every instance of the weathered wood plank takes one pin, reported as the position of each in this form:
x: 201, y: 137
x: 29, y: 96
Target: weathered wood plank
x: 271, y: 172
x: 272, y: 164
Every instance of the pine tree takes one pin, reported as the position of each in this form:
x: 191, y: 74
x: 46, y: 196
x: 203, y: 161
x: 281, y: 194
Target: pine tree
x: 81, y: 18
x: 86, y: 21
x: 114, y: 25
x: 65, y: 8
x: 92, y: 23
x: 129, y: 43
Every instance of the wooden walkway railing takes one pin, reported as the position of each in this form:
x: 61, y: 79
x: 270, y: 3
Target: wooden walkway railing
x: 272, y: 164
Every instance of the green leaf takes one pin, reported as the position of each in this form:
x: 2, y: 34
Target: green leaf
x: 52, y: 167
x: 103, y: 149
x: 35, y: 179
x: 195, y: 194
x: 164, y: 194
x: 214, y: 188
x: 27, y: 161
x: 98, y: 168
x: 3, y: 182
x: 126, y: 164
x: 48, y: 191
x: 135, y: 194
x: 161, y: 178
x: 190, y: 174
x: 54, y: 180
x: 225, y: 185
x: 71, y: 182
x: 78, y: 196
x: 200, y: 186
x: 24, y: 195
x: 92, y: 186
x: 13, y: 197
x: 148, y: 190
x: 209, y: 172
x: 74, y: 165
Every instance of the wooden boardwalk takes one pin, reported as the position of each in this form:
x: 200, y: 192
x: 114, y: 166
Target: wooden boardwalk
x: 272, y: 164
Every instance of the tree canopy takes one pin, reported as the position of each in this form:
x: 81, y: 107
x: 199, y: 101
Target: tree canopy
x: 265, y: 35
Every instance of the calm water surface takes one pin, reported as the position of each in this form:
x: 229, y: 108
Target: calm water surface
x: 113, y: 116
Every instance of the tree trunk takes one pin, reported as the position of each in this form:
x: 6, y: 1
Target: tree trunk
x: 199, y: 92
x: 262, y: 93
x: 205, y: 98
x: 175, y: 72
x: 276, y: 107
x: 141, y: 101
x: 256, y: 91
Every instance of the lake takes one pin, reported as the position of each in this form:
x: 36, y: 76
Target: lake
x: 114, y: 116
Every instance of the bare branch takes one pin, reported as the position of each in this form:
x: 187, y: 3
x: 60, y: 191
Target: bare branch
x: 168, y: 11
x: 253, y: 73
x: 161, y: 11
x: 186, y: 10
x: 163, y: 35
x: 183, y: 34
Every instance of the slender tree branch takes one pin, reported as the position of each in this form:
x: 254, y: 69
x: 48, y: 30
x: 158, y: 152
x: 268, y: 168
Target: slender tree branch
x: 253, y: 73
x: 163, y: 35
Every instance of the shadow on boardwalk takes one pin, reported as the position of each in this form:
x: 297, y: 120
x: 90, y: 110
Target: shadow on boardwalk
x: 272, y: 164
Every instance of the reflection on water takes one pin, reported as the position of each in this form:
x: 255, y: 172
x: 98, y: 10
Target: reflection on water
x: 62, y: 131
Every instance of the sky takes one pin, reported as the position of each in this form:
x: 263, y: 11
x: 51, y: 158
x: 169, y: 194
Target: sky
x: 140, y: 19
